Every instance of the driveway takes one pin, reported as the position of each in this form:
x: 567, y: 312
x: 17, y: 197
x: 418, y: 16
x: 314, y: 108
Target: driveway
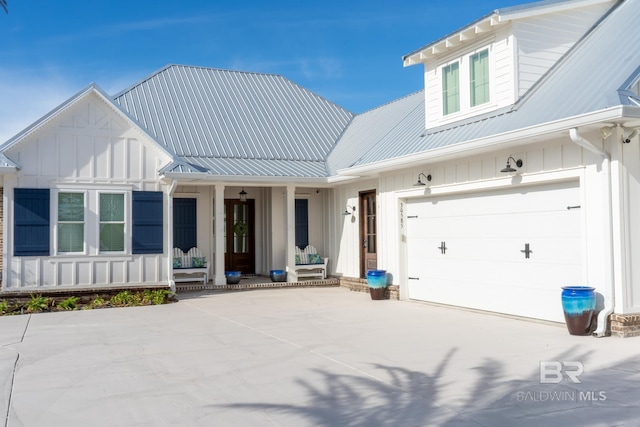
x: 309, y: 357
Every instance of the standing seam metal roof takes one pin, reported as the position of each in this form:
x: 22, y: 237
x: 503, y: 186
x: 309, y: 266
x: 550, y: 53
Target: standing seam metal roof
x: 212, y: 113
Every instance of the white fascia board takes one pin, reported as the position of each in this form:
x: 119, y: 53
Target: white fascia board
x: 492, y: 142
x: 237, y: 179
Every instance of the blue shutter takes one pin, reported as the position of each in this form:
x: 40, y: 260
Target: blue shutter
x: 302, y: 223
x: 185, y: 235
x: 31, y: 221
x: 147, y: 222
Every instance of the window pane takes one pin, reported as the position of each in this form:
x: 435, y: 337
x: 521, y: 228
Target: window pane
x: 70, y: 207
x: 479, y: 72
x: 111, y: 207
x: 450, y: 89
x: 111, y: 237
x: 70, y: 237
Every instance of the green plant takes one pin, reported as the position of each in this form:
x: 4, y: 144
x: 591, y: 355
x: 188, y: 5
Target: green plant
x: 155, y: 297
x: 5, y: 307
x: 97, y: 302
x: 70, y: 303
x: 126, y: 298
x: 37, y: 304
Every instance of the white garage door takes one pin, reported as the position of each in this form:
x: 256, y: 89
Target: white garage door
x: 505, y: 251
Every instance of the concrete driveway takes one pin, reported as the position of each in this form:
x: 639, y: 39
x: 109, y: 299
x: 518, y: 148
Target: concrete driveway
x: 309, y: 357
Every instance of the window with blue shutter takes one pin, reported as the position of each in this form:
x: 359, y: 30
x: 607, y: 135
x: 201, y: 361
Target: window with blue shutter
x: 302, y: 223
x: 185, y: 234
x: 147, y: 226
x: 31, y: 222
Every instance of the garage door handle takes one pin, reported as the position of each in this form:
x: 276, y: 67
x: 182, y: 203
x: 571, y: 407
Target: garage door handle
x: 414, y: 278
x: 443, y: 248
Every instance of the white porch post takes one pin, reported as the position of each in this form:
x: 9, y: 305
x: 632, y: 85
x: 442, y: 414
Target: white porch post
x: 290, y: 252
x: 219, y: 233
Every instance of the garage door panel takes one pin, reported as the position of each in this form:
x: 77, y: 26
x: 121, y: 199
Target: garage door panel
x: 484, y: 265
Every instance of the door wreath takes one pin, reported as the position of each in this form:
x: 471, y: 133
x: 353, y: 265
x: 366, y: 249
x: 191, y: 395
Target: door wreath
x: 240, y: 228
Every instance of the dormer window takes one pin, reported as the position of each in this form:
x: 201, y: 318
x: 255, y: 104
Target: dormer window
x: 450, y: 88
x: 473, y: 69
x: 479, y: 77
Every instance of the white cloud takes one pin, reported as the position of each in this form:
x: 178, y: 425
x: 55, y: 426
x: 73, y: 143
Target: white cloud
x: 25, y: 98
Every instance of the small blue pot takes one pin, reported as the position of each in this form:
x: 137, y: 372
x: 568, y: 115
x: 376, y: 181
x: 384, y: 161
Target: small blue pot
x: 278, y: 275
x: 233, y: 277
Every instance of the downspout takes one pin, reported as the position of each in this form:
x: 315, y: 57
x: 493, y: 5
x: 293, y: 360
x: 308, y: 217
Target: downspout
x: 170, y: 190
x: 609, y: 300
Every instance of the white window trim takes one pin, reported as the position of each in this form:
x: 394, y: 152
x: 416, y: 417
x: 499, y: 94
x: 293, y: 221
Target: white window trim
x: 127, y: 221
x: 54, y: 214
x: 464, y: 85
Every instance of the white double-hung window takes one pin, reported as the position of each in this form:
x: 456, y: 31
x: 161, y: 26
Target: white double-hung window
x: 71, y: 222
x: 479, y: 77
x: 112, y: 222
x: 466, y: 83
x: 451, y: 88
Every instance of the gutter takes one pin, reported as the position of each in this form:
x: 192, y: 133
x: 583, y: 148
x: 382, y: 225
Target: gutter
x: 609, y: 300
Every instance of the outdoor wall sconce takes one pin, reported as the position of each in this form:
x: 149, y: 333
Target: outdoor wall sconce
x: 346, y: 210
x: 420, y: 183
x: 509, y: 168
x: 628, y: 135
x: 606, y: 132
x: 243, y: 195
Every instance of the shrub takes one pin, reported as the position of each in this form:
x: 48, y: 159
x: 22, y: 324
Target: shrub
x: 70, y: 303
x: 37, y: 304
x: 125, y: 299
x: 97, y: 302
x: 155, y: 297
x: 5, y: 307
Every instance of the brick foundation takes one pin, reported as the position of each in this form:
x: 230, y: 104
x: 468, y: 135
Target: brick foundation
x: 625, y: 325
x: 360, y: 285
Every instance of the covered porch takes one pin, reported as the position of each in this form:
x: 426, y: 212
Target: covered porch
x: 259, y: 230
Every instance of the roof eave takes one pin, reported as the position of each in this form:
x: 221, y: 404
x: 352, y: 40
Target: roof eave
x: 492, y: 142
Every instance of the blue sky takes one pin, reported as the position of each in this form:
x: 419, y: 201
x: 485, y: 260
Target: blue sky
x: 346, y: 51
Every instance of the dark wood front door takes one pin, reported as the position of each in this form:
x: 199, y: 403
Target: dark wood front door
x: 240, y: 236
x: 368, y: 233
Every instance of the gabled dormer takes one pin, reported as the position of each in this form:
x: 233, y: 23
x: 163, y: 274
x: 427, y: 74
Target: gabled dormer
x: 494, y: 61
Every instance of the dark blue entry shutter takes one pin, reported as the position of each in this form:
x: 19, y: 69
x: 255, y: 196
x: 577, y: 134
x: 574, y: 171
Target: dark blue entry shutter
x: 184, y: 224
x: 302, y: 223
x: 147, y: 226
x: 31, y: 221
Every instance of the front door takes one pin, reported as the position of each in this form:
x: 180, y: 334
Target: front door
x: 240, y: 236
x: 368, y: 233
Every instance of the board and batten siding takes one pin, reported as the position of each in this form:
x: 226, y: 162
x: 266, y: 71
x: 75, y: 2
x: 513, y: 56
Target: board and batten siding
x: 544, y: 162
x: 87, y: 148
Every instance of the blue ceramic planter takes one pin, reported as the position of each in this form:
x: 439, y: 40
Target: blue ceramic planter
x: 377, y: 281
x: 233, y: 277
x: 278, y: 275
x: 578, y: 304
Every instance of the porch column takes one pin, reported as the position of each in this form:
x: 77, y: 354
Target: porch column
x: 219, y: 278
x: 290, y: 252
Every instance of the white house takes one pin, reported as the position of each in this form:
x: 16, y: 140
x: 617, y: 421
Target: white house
x: 524, y: 140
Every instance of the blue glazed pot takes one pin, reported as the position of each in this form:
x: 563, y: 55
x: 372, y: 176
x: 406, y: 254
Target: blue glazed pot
x: 377, y: 281
x: 233, y: 277
x: 578, y: 304
x: 278, y: 275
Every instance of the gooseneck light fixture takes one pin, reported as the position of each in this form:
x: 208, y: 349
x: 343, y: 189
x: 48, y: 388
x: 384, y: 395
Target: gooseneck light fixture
x: 243, y: 195
x: 346, y: 210
x: 509, y: 168
x: 420, y: 183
